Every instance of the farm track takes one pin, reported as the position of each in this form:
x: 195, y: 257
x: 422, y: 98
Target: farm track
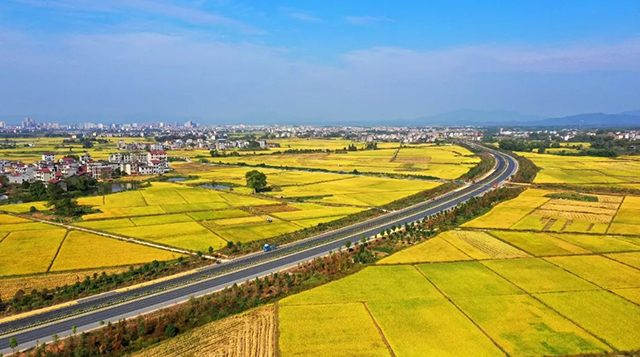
x: 134, y: 302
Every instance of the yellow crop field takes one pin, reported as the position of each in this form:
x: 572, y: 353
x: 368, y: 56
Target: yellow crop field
x: 584, y: 169
x: 23, y: 207
x: 509, y: 213
x: 23, y: 252
x: 632, y: 259
x: 598, y: 243
x: 7, y: 219
x: 9, y: 286
x: 316, y: 221
x: 162, y: 219
x: 309, y: 211
x: 104, y: 252
x: 239, y: 221
x: 106, y: 224
x: 257, y: 231
x: 480, y: 245
x: 539, y: 244
x: 632, y: 295
x: 627, y: 221
x: 430, y: 328
x: 329, y: 330
x: 447, y: 162
x: 609, y: 317
x: 527, y: 275
x: 601, y: 271
x: 208, y: 215
x: 434, y: 250
x: 187, y: 235
x: 124, y: 212
x: 525, y: 327
x: 467, y: 279
x: 379, y: 283
x: 251, y: 334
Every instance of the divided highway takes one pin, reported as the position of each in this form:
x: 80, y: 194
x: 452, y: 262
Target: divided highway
x: 216, y: 277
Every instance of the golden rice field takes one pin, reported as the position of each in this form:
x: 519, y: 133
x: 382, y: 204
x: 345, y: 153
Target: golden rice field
x: 585, y: 170
x: 484, y: 293
x: 446, y: 162
x: 533, y: 211
x: 44, y: 248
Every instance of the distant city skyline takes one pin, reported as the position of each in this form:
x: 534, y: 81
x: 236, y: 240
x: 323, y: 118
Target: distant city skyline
x: 267, y: 62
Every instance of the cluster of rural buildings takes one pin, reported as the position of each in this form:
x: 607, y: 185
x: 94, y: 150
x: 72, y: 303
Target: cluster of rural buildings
x: 50, y: 169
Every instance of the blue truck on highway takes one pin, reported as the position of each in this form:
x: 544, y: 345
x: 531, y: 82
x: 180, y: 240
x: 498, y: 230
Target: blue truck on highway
x: 268, y: 248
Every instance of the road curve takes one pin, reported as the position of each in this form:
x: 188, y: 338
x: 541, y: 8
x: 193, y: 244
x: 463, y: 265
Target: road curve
x: 235, y: 271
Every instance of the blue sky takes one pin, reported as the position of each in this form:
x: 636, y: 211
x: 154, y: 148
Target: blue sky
x: 325, y: 61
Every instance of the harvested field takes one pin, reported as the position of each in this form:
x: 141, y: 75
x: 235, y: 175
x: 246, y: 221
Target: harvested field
x: 480, y: 245
x: 252, y: 334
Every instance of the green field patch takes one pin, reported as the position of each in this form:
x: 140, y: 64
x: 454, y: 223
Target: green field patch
x: 163, y: 219
x: 106, y: 224
x: 329, y: 330
x: 187, y: 235
x: 162, y: 196
x: 609, y: 317
x: 598, y: 243
x: 221, y: 214
x: 200, y: 195
x: 433, y: 250
x: 600, y: 271
x: 26, y: 252
x: 378, y: 283
x: 467, y: 279
x: 624, y: 228
x: 632, y: 259
x: 539, y: 244
x: 525, y: 327
x: 104, y: 252
x: 537, y: 275
x: 430, y: 328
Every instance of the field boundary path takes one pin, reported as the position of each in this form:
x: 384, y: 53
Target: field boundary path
x: 110, y: 235
x: 111, y: 307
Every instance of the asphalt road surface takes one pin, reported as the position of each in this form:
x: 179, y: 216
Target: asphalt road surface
x: 29, y: 330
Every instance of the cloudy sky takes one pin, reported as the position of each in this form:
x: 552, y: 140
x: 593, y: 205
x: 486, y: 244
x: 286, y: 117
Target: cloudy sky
x: 319, y: 62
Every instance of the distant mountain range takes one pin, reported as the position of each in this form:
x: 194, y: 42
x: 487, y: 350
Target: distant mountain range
x: 501, y: 118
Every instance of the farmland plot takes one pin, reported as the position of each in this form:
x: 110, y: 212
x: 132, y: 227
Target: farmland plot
x: 434, y: 250
x: 329, y: 330
x: 509, y: 213
x: 539, y: 244
x: 601, y: 271
x: 26, y: 252
x: 104, y: 252
x: 252, y: 334
x: 480, y: 245
x: 525, y: 327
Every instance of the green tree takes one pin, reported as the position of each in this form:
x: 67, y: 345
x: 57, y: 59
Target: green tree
x: 13, y: 344
x: 74, y: 329
x: 170, y: 331
x: 347, y: 244
x: 256, y: 180
x: 210, y: 250
x: 38, y: 191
